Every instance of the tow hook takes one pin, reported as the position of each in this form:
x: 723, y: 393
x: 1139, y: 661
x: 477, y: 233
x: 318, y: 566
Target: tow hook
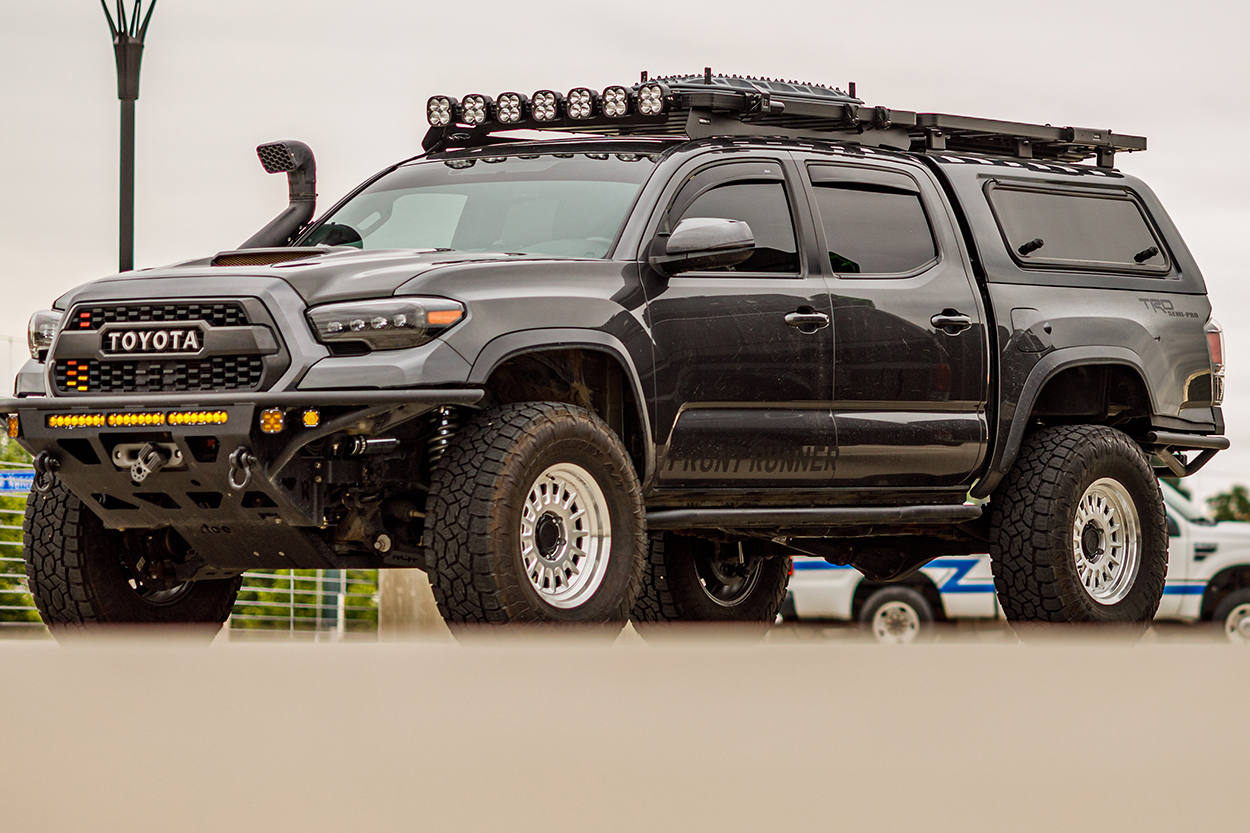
x: 241, y: 463
x: 151, y: 459
x: 46, y: 467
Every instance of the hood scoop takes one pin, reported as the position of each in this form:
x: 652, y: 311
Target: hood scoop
x: 267, y: 257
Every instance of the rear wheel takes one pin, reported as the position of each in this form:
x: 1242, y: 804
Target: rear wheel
x: 897, y: 616
x: 80, y: 574
x: 1232, y: 617
x: 1079, y: 533
x: 535, y: 517
x: 692, y: 579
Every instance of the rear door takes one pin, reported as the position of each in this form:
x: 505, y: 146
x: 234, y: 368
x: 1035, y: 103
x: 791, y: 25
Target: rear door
x: 911, y: 351
x: 742, y: 386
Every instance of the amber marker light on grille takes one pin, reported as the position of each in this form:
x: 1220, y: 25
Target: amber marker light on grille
x: 198, y: 418
x: 272, y: 421
x: 15, y: 426
x: 312, y: 418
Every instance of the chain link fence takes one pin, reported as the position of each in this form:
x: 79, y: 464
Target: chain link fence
x: 309, y: 605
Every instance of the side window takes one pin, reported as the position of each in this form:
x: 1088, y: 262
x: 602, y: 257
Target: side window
x: 874, y: 222
x: 1102, y: 230
x: 764, y: 207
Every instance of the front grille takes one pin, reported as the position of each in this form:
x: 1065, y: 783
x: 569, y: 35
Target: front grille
x: 228, y: 314
x: 169, y: 376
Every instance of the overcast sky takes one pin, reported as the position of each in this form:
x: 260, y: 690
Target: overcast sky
x: 351, y: 80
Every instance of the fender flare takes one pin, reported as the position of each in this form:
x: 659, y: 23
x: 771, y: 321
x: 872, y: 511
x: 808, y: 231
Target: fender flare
x: 1008, y: 447
x: 506, y: 347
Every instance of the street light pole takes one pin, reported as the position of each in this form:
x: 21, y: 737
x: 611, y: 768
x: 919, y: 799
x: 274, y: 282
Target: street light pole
x: 128, y: 35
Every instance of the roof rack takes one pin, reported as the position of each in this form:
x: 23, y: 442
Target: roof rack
x: 700, y: 106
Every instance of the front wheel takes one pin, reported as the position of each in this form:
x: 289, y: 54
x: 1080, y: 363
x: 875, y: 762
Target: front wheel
x: 1079, y: 533
x: 1232, y: 617
x: 80, y: 577
x: 535, y: 517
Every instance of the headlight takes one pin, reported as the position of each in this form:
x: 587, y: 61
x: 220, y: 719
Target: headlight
x: 615, y: 102
x: 41, y: 331
x: 510, y: 108
x: 476, y: 109
x: 580, y: 103
x: 386, y: 324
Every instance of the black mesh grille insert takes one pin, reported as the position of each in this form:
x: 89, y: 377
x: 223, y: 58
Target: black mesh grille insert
x: 214, y: 373
x: 227, y: 314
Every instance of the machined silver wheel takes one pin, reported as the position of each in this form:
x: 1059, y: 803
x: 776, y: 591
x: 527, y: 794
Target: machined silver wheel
x: 896, y: 623
x: 1107, y: 541
x: 566, y: 535
x: 1237, y: 624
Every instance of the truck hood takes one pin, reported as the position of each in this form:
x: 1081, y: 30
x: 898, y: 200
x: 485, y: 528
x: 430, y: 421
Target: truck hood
x: 338, y: 274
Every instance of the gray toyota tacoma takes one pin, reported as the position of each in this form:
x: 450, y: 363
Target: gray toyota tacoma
x: 627, y: 362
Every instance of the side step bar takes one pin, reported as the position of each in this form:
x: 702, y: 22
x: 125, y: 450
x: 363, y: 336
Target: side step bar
x: 721, y: 518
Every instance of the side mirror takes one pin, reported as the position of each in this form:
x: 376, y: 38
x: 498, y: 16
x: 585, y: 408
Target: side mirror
x: 1174, y: 529
x: 704, y: 243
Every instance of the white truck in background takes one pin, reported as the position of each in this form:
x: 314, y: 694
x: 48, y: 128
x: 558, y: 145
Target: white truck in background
x: 1208, y: 580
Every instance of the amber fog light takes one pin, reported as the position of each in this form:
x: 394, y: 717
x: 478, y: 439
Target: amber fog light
x: 15, y: 426
x: 272, y: 421
x: 312, y: 418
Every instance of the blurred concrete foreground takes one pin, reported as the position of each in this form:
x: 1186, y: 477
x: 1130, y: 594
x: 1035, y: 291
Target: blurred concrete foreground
x: 139, y: 735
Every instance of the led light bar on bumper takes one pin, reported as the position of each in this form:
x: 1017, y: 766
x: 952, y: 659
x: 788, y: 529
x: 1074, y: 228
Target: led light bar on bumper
x: 386, y: 324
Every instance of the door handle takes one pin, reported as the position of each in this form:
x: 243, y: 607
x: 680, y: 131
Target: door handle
x: 807, y: 320
x: 951, y: 321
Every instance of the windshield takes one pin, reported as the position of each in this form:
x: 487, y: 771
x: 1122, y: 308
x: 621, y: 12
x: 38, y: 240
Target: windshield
x: 561, y: 204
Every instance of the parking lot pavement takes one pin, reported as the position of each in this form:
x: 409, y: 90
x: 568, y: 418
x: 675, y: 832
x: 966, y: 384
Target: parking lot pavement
x: 709, y: 734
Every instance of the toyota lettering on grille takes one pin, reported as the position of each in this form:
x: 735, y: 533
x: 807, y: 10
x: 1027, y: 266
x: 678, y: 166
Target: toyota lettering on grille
x: 142, y: 340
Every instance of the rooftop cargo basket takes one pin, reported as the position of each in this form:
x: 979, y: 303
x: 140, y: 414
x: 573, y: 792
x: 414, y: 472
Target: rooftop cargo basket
x: 699, y: 106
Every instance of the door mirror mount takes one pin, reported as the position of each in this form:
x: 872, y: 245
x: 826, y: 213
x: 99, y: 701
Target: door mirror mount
x: 702, y: 243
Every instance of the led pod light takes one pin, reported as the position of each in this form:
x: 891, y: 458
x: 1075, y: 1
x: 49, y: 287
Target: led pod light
x: 545, y: 105
x: 580, y: 103
x: 510, y: 108
x: 475, y: 109
x: 615, y: 102
x: 385, y: 324
x: 650, y: 100
x: 441, y: 110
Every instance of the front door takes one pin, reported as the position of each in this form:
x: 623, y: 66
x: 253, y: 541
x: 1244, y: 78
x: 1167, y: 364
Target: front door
x: 743, y: 355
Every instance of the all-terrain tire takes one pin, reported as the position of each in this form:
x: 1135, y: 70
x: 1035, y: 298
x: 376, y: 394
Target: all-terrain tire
x: 1048, y: 571
x: 681, y: 585
x: 77, y: 577
x: 1232, y: 618
x: 897, y: 615
x: 493, y: 473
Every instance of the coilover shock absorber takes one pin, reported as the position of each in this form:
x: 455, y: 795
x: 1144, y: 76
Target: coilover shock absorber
x: 447, y: 424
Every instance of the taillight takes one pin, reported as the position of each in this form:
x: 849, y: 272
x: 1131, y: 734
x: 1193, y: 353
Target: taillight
x: 1215, y: 345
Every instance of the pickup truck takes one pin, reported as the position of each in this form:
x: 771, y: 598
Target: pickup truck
x: 630, y: 362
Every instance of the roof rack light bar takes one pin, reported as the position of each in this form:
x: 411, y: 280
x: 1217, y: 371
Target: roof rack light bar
x: 699, y: 106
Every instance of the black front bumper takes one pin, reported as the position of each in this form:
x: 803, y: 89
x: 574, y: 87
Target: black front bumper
x: 262, y: 522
